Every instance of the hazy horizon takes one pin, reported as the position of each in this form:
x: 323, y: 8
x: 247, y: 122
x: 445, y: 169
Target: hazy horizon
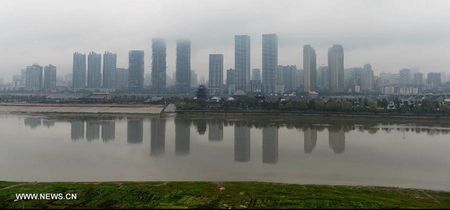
x: 390, y: 35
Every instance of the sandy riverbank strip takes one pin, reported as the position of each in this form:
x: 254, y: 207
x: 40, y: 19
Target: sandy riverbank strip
x: 81, y: 108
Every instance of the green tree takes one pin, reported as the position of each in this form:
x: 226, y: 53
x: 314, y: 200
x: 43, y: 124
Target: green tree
x: 302, y: 105
x: 372, y: 105
x: 319, y: 105
x: 347, y: 106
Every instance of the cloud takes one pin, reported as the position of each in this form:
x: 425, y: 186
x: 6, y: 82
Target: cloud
x: 389, y: 34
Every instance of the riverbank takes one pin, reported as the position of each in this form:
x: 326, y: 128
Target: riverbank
x: 219, y: 195
x: 390, y: 115
x: 80, y: 109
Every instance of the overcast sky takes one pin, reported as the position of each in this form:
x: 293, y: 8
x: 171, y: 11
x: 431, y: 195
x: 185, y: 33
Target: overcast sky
x: 389, y: 34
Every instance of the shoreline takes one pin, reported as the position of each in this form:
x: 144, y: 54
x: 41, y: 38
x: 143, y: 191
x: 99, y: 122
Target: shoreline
x: 219, y: 195
x: 318, y: 114
x: 84, y: 109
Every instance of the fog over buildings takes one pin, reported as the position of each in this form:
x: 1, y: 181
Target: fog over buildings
x: 388, y: 34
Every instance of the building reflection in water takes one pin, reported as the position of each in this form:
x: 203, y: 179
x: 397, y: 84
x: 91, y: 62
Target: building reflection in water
x: 108, y: 130
x: 76, y: 129
x: 92, y: 130
x: 135, y: 130
x: 215, y: 131
x: 336, y: 139
x: 270, y: 144
x: 33, y: 122
x: 241, y: 143
x: 310, y: 139
x: 48, y: 123
x: 182, y: 137
x: 200, y: 124
x: 157, y: 136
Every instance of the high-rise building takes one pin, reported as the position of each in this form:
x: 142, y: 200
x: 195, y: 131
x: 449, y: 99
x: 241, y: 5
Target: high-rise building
x: 443, y: 77
x: 419, y: 80
x: 50, y: 77
x: 170, y: 81
x: 309, y: 69
x: 255, y: 82
x: 287, y: 77
x: 323, y: 78
x: 256, y: 74
x: 215, y: 73
x: 79, y: 71
x: 94, y: 79
x: 336, y: 68
x: 231, y: 87
x: 159, y: 65
x: 121, y: 81
x: 434, y: 80
x: 23, y: 76
x: 136, y: 70
x: 352, y: 79
x: 242, y: 61
x: 109, y: 70
x: 183, y: 66
x: 147, y: 79
x: 405, y: 77
x: 194, y: 79
x: 367, y: 79
x: 269, y: 62
x: 33, y: 80
x: 279, y: 87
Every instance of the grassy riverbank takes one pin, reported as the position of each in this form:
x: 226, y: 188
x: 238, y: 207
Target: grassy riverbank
x: 220, y: 195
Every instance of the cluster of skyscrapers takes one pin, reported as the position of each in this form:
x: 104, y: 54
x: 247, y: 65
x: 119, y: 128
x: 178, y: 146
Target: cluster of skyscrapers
x: 93, y: 77
x: 238, y: 79
x: 39, y: 78
x: 99, y: 71
x: 133, y: 77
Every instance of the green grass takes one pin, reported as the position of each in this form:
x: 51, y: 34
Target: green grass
x: 220, y: 195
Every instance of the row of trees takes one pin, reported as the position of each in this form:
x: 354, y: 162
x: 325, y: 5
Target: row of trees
x: 314, y: 105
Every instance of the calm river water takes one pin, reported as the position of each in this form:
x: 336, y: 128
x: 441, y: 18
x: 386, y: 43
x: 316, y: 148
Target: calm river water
x: 198, y: 148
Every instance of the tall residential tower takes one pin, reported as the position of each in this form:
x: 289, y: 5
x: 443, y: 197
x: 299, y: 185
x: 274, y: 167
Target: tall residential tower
x: 94, y: 79
x: 136, y: 70
x: 79, y: 71
x: 159, y: 65
x: 309, y: 69
x: 215, y: 73
x: 242, y: 61
x: 109, y: 70
x: 183, y: 66
x: 269, y: 62
x: 336, y: 68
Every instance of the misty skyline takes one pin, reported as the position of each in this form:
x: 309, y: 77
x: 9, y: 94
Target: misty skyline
x: 390, y: 35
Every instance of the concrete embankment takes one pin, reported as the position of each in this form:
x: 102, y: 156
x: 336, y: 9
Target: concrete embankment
x: 81, y: 108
